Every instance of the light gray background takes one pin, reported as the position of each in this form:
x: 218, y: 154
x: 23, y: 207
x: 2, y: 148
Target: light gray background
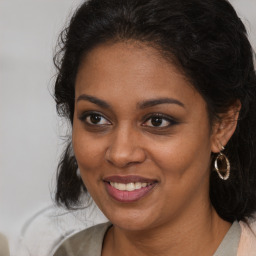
x: 29, y: 128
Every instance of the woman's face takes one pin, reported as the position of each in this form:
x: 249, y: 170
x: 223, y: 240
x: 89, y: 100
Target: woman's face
x: 141, y: 137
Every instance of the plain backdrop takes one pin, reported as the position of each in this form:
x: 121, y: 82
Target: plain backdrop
x: 30, y: 131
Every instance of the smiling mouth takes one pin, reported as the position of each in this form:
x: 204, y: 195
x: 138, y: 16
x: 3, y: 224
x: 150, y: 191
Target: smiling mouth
x: 128, y: 189
x: 129, y: 186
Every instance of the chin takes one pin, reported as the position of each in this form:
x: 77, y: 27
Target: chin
x: 133, y: 220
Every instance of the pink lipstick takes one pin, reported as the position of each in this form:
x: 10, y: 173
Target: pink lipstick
x: 128, y: 188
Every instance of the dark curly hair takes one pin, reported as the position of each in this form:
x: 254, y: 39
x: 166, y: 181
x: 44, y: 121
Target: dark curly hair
x: 208, y: 42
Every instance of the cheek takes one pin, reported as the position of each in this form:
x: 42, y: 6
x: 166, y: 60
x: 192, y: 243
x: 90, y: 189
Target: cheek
x: 88, y: 153
x: 184, y: 171
x: 88, y: 150
x: 184, y: 156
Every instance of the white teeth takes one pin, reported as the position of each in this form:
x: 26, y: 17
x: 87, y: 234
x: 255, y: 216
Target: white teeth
x: 144, y: 185
x: 129, y: 186
x: 138, y: 185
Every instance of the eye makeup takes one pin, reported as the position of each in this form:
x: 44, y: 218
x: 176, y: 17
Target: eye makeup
x: 156, y: 123
x: 159, y: 120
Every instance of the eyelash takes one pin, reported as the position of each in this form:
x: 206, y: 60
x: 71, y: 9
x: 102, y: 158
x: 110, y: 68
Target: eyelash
x: 171, y: 121
x: 86, y: 115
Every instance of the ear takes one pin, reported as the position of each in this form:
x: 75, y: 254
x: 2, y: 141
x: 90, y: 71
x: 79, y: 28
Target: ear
x: 224, y: 127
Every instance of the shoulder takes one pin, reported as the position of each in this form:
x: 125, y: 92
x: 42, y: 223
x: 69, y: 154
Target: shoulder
x: 247, y: 244
x: 86, y: 242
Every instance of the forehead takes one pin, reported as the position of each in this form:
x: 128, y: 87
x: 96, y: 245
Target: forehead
x: 131, y: 71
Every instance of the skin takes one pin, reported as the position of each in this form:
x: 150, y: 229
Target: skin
x: 176, y: 216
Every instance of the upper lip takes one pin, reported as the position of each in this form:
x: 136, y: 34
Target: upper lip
x: 128, y: 179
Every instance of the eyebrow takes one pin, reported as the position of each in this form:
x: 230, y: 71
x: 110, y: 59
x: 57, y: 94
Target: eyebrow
x: 93, y: 100
x: 141, y: 105
x: 158, y: 101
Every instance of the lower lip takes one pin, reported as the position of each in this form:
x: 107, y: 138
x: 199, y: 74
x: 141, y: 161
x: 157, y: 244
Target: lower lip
x: 128, y: 196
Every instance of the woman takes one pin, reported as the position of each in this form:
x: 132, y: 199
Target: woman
x: 161, y: 96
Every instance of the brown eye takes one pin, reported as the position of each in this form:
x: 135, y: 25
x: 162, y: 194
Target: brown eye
x: 159, y: 121
x: 94, y: 119
x: 156, y: 121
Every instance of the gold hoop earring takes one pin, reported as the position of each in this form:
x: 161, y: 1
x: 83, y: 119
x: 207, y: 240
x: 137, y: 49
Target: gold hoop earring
x: 222, y: 165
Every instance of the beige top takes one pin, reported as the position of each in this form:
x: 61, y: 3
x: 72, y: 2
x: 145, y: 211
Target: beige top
x: 89, y: 242
x: 4, y: 248
x: 85, y: 243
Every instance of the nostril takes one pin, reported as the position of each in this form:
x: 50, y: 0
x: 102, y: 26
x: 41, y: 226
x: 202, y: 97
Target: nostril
x: 125, y: 157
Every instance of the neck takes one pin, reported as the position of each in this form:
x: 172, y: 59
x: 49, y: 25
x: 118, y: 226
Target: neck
x: 200, y: 232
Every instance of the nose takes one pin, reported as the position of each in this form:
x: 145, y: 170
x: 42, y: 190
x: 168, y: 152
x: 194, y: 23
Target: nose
x: 125, y: 148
